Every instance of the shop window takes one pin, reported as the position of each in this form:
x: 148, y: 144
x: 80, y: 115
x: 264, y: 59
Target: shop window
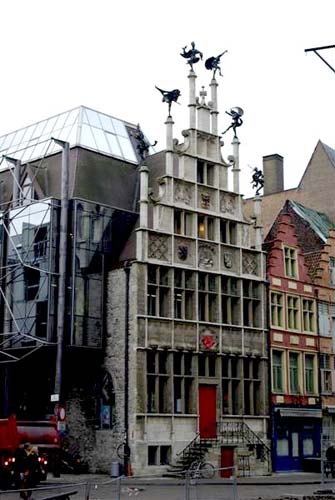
x: 293, y: 312
x: 290, y: 261
x: 308, y: 315
x: 277, y: 309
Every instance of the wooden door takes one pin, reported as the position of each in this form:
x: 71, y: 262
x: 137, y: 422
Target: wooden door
x: 227, y: 460
x: 207, y: 411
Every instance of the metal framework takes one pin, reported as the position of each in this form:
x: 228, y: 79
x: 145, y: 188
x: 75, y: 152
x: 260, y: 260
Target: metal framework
x: 19, y: 341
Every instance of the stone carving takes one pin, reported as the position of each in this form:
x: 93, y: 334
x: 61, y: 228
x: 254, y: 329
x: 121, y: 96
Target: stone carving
x: 183, y: 194
x: 249, y: 264
x: 205, y: 200
x: 206, y: 256
x: 228, y: 260
x: 227, y: 204
x: 182, y: 252
x: 158, y: 247
x: 208, y: 339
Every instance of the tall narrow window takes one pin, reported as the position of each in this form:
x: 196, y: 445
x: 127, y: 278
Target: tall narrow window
x: 290, y: 260
x: 158, y: 291
x: 277, y: 309
x: 309, y: 373
x: 293, y: 312
x: 183, y: 223
x: 207, y: 297
x: 294, y: 372
x: 277, y: 371
x: 308, y: 315
x: 205, y: 173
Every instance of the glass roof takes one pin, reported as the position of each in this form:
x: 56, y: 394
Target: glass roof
x: 80, y: 127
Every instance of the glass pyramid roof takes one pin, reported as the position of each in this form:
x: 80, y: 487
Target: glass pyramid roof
x: 80, y: 127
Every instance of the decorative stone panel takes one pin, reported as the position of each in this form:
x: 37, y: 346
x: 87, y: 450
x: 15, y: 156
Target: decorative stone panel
x: 185, y: 335
x: 230, y: 259
x: 208, y: 256
x: 250, y: 263
x: 159, y: 247
x: 232, y: 340
x: 227, y: 203
x: 209, y: 338
x: 206, y: 198
x: 141, y: 332
x: 183, y: 193
x: 254, y: 342
x: 184, y: 251
x: 159, y: 333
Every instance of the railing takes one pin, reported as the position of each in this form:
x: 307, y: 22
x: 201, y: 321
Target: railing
x: 240, y: 432
x: 196, y: 449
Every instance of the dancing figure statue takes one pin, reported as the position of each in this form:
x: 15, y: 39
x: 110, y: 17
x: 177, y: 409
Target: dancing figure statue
x: 143, y: 144
x: 193, y: 55
x: 169, y: 96
x: 257, y: 180
x: 236, y: 114
x: 213, y: 63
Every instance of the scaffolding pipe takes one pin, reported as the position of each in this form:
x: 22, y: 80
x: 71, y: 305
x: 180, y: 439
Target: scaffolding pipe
x: 62, y: 266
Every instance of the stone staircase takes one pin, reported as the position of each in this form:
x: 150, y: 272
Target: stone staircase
x: 236, y: 434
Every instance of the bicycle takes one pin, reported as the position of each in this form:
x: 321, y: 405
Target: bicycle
x: 201, y: 470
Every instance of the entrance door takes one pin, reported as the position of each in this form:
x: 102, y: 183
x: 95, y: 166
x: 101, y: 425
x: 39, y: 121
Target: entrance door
x: 227, y: 460
x: 207, y: 411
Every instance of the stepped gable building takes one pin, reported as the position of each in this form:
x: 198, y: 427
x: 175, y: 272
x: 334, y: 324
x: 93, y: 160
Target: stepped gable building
x: 315, y: 189
x: 195, y: 319
x: 132, y: 296
x: 300, y: 260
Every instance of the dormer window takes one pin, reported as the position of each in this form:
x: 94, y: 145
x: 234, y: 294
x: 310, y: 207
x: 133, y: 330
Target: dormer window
x: 290, y: 262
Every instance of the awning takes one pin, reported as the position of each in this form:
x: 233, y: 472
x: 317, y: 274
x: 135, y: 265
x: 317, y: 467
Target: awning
x: 300, y: 412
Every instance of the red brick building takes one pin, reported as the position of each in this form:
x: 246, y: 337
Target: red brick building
x: 300, y: 246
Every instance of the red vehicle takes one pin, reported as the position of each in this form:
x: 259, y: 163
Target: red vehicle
x: 14, y: 434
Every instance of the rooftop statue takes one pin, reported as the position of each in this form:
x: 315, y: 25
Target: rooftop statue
x: 212, y: 63
x: 236, y: 114
x: 257, y: 180
x: 169, y: 96
x: 143, y: 144
x: 193, y: 55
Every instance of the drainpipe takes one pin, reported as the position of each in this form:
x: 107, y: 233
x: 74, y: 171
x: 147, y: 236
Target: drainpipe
x: 62, y: 267
x: 127, y: 266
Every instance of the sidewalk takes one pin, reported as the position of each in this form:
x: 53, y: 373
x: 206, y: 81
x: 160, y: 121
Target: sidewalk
x: 274, y: 479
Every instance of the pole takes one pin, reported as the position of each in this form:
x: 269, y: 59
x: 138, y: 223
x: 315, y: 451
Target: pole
x: 62, y: 265
x: 126, y: 375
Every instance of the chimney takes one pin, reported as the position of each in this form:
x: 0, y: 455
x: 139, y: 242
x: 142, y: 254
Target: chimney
x: 273, y: 170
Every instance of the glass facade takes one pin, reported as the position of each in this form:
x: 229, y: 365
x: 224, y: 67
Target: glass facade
x: 80, y: 126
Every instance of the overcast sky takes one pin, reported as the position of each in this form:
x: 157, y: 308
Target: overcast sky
x: 109, y: 55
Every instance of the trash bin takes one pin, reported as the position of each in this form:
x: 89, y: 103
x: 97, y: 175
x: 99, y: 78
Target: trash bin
x: 115, y: 468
